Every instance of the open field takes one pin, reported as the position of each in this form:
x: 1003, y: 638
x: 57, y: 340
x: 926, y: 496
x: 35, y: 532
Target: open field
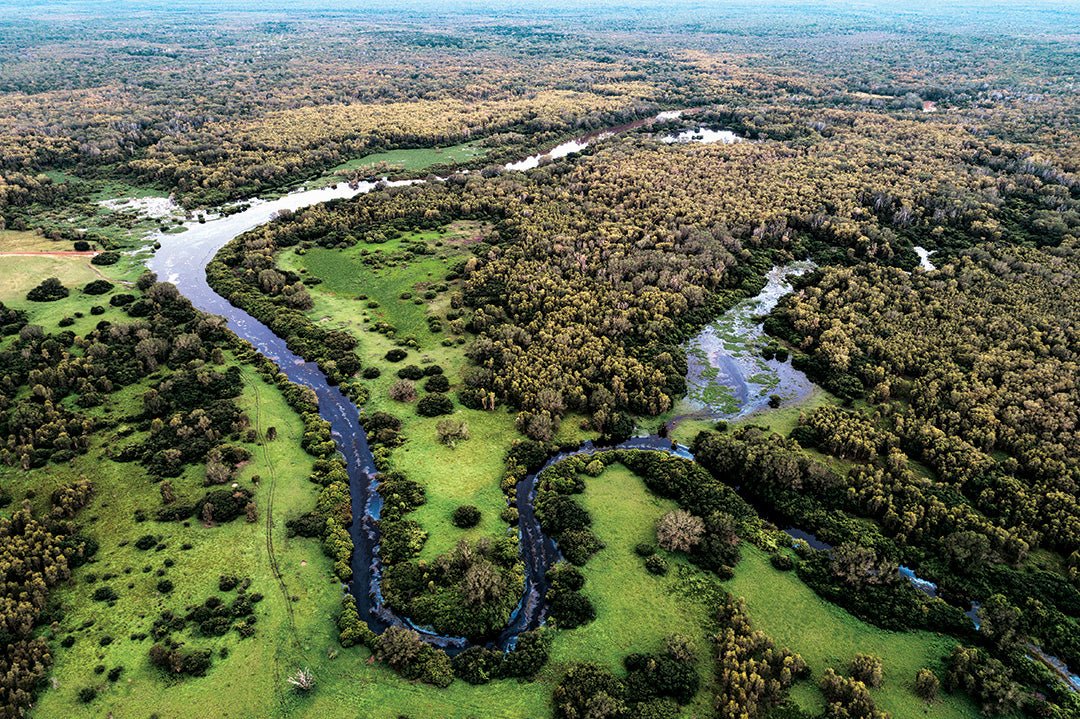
x: 408, y: 160
x: 827, y: 636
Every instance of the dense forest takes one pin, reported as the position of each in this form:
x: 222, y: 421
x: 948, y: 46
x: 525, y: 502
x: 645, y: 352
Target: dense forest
x: 184, y: 532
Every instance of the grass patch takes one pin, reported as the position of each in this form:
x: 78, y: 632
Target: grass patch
x: 18, y: 275
x: 409, y: 160
x: 827, y: 636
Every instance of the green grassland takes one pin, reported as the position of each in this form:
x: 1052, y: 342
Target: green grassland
x: 827, y: 636
x: 409, y: 160
x: 468, y: 473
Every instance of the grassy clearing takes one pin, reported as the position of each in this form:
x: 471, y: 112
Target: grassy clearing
x: 469, y: 473
x: 412, y: 160
x: 20, y: 274
x: 635, y: 610
x: 827, y: 636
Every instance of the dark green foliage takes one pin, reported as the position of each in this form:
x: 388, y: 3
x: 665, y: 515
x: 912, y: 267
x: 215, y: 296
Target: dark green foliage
x: 396, y: 355
x: 567, y: 606
x: 411, y: 372
x: 466, y: 516
x: 105, y: 258
x: 477, y: 665
x: 433, y: 405
x: 49, y: 290
x: 174, y: 658
x: 656, y: 564
x: 437, y: 383
x: 97, y: 287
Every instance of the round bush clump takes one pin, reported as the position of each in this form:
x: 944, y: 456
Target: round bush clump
x: 783, y: 562
x: 97, y: 287
x: 410, y: 371
x: 49, y: 290
x: 656, y: 565
x: 371, y: 373
x: 466, y: 516
x: 437, y: 383
x: 644, y: 549
x: 433, y: 405
x: 396, y: 355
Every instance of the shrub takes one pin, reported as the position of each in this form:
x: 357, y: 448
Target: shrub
x: 570, y: 609
x: 578, y: 545
x: 396, y: 355
x: 433, y: 405
x: 49, y: 290
x: 867, y: 669
x: 105, y: 258
x: 87, y: 695
x: 656, y: 565
x: 926, y: 685
x: 122, y: 299
x: 477, y: 665
x: 98, y: 287
x: 371, y: 373
x: 402, y: 391
x: 529, y: 655
x: 114, y: 674
x: 105, y: 594
x: 679, y: 531
x: 410, y: 371
x: 145, y: 542
x: 451, y: 431
x: 165, y: 586
x: 782, y: 561
x: 644, y: 549
x: 466, y: 516
x: 437, y: 383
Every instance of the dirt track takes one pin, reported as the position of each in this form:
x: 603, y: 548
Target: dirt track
x: 70, y: 253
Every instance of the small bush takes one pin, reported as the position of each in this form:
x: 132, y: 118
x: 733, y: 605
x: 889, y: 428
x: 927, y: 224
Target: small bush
x: 396, y: 355
x: 656, y: 565
x: 165, y: 586
x: 466, y: 516
x: 410, y: 371
x: 437, y: 383
x: 97, y: 287
x: 644, y: 549
x: 87, y: 695
x: 371, y: 373
x: 782, y: 561
x: 433, y: 405
x: 105, y: 258
x: 49, y: 290
x: 105, y: 594
x: 145, y: 542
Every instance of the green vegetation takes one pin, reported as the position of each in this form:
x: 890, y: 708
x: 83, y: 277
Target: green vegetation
x: 827, y: 636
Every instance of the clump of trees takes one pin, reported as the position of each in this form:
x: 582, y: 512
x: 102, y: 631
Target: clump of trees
x: 49, y: 290
x: 753, y: 674
x: 36, y: 554
x: 655, y: 685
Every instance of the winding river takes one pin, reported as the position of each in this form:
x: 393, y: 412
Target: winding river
x: 182, y: 259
